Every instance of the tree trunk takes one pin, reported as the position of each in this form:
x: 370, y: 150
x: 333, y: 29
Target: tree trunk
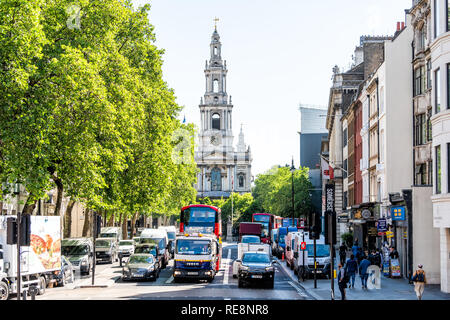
x: 124, y: 228
x: 120, y: 219
x: 60, y: 191
x: 105, y: 220
x: 133, y: 224
x: 28, y: 208
x: 68, y: 219
x: 111, y: 219
x: 86, y: 226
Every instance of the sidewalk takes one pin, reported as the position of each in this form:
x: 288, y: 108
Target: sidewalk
x: 391, y: 289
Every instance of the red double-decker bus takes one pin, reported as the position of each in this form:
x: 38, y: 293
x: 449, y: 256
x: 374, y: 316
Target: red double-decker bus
x: 200, y: 218
x: 278, y: 222
x: 268, y: 223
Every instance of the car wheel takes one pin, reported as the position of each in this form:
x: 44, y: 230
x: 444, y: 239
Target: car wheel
x: 42, y: 286
x: 4, y: 291
x: 270, y: 284
x: 235, y: 276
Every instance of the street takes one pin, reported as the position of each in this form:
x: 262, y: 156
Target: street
x: 224, y: 286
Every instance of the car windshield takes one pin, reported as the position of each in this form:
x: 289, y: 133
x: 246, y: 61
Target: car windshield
x: 157, y: 241
x: 146, y: 250
x: 322, y: 250
x: 107, y: 235
x: 193, y: 247
x: 102, y: 243
x: 171, y: 235
x: 251, y: 239
x: 75, y: 250
x: 256, y: 258
x: 126, y: 243
x: 140, y: 259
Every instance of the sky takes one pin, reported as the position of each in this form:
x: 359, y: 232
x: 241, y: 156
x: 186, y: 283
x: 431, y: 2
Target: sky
x: 279, y: 53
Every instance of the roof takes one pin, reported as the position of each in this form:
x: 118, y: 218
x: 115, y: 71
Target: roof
x: 199, y: 206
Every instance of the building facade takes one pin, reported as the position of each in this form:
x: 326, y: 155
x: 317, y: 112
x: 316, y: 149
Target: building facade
x: 222, y: 168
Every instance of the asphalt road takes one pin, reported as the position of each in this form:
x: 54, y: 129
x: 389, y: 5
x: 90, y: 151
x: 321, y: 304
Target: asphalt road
x: 224, y: 286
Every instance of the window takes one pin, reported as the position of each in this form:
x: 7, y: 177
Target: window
x: 216, y: 180
x: 418, y: 81
x: 430, y: 172
x: 438, y: 170
x: 216, y: 121
x: 344, y: 205
x: 421, y: 174
x: 345, y: 137
x: 437, y: 86
x: 437, y: 22
x: 421, y: 129
x: 448, y: 17
x: 422, y: 33
x: 429, y: 74
x: 345, y: 169
x: 448, y: 85
x: 429, y: 129
x: 216, y: 85
x: 241, y: 181
x: 215, y: 51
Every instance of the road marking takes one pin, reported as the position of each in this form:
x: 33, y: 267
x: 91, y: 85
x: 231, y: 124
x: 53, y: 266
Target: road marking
x: 299, y: 291
x: 227, y: 268
x: 170, y: 279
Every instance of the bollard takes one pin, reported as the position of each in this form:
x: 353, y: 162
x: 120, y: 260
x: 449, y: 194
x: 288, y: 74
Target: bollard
x: 33, y: 292
x: 282, y: 256
x: 24, y: 294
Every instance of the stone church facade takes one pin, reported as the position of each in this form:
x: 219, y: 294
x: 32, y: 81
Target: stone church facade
x: 222, y: 167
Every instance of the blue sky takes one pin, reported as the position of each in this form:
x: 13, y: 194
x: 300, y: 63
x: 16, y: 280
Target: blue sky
x: 279, y: 53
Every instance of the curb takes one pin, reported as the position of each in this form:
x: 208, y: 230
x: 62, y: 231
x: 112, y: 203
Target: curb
x: 286, y: 271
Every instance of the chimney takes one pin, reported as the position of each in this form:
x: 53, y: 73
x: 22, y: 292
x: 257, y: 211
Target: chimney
x: 403, y: 25
x: 398, y: 26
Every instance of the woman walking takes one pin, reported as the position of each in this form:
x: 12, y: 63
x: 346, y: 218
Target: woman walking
x: 419, y: 280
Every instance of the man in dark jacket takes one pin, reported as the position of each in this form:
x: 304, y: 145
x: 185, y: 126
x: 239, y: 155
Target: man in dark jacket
x: 351, y: 267
x: 365, y: 263
x: 341, y: 281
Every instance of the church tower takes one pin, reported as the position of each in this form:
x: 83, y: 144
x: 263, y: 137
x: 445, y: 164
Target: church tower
x: 222, y: 169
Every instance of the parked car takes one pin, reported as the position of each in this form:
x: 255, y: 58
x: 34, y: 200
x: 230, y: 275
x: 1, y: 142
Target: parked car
x: 141, y: 266
x: 79, y: 251
x: 106, y: 250
x: 111, y: 232
x: 136, y: 240
x: 282, y: 232
x: 256, y: 266
x: 126, y: 248
x: 150, y: 248
x: 67, y: 273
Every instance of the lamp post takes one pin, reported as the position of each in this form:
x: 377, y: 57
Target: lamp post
x: 19, y: 282
x: 293, y: 208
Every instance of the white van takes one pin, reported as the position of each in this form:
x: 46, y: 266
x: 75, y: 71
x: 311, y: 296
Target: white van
x: 172, y: 235
x: 111, y: 232
x: 160, y: 237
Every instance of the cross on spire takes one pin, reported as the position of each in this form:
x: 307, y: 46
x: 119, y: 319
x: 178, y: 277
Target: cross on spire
x: 215, y: 22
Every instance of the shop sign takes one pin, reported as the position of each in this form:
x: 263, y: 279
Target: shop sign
x: 358, y: 214
x: 398, y: 213
x: 389, y: 234
x: 372, y: 232
x: 395, y: 268
x: 366, y: 214
x: 382, y: 225
x: 329, y: 201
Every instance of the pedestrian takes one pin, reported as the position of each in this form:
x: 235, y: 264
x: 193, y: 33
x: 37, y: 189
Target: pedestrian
x: 379, y: 258
x: 355, y: 247
x: 394, y: 253
x: 342, y: 280
x: 359, y: 255
x: 419, y: 280
x: 342, y: 253
x: 351, y: 267
x: 373, y: 258
x: 365, y: 263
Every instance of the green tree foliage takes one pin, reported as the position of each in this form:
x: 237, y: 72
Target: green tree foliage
x: 86, y: 108
x: 273, y: 192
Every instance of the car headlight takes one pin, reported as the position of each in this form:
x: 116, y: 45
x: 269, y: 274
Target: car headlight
x: 83, y: 262
x: 270, y: 269
x: 327, y: 260
x: 244, y: 268
x: 151, y: 268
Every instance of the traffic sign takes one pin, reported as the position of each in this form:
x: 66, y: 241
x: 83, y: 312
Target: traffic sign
x: 303, y: 246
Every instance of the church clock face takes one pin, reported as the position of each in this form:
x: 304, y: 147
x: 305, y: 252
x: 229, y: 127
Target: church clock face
x: 216, y: 139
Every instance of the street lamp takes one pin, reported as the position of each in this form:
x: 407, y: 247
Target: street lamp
x: 19, y: 282
x: 293, y: 208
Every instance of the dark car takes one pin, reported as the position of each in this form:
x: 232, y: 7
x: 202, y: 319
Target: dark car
x: 256, y: 267
x: 150, y: 248
x: 141, y: 266
x: 67, y: 273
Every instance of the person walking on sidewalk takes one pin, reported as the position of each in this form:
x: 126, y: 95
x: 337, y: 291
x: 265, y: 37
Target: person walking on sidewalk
x: 419, y: 280
x: 342, y: 281
x: 342, y: 253
x: 365, y: 263
x: 351, y: 267
x: 355, y: 248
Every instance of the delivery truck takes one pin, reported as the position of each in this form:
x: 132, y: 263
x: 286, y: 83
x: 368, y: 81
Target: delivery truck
x: 40, y: 262
x: 249, y: 228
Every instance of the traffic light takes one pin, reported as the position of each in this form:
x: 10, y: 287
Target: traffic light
x: 316, y: 227
x: 25, y: 230
x: 11, y: 231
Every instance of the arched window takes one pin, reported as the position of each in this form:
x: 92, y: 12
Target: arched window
x: 215, y: 51
x: 216, y: 121
x: 216, y: 85
x: 216, y: 180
